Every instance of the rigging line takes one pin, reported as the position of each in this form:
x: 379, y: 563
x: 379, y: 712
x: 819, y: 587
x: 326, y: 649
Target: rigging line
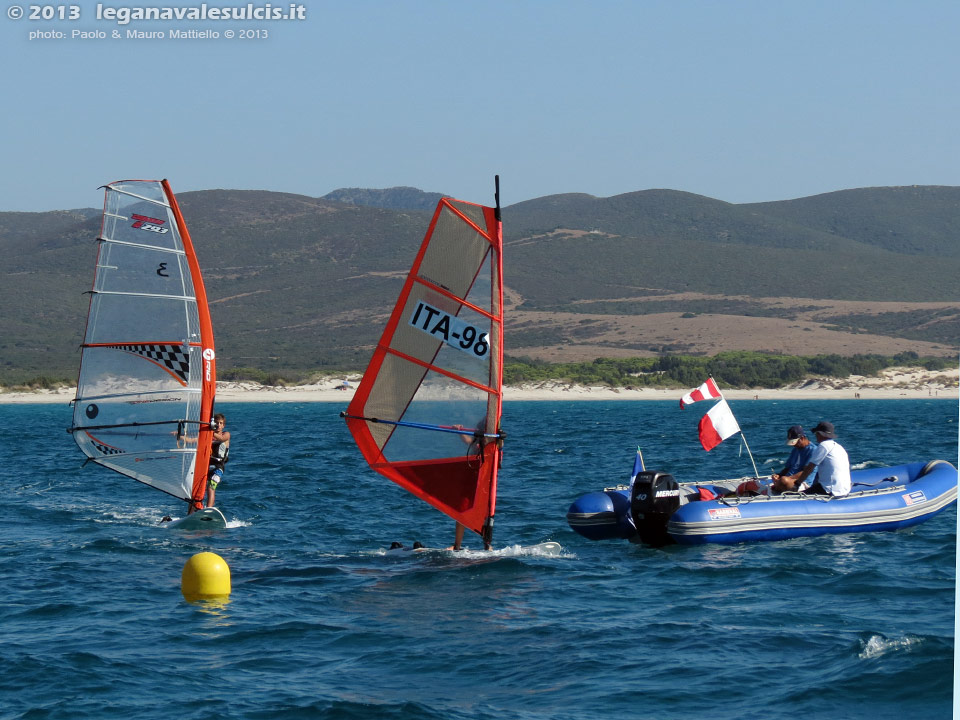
x: 423, y: 426
x: 891, y: 480
x: 142, y: 246
x: 134, y: 195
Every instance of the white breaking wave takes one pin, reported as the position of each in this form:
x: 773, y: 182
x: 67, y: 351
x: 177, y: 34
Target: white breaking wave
x: 878, y: 645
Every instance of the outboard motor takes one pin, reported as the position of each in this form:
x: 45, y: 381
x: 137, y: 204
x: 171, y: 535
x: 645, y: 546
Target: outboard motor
x: 655, y: 497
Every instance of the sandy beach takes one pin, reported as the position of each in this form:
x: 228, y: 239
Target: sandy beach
x: 893, y: 383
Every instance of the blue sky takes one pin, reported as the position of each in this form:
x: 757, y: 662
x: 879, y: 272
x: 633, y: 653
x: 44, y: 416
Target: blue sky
x: 743, y: 101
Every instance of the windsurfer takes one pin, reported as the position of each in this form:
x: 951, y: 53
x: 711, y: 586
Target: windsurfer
x: 441, y: 354
x: 457, y: 538
x: 475, y: 446
x: 219, y: 454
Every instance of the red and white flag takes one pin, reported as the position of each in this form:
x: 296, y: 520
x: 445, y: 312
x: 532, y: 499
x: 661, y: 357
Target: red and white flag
x: 707, y: 391
x: 717, y: 425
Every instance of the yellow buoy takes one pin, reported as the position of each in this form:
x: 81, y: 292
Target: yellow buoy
x: 205, y: 577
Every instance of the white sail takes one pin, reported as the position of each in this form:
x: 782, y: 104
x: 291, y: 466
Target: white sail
x: 147, y: 376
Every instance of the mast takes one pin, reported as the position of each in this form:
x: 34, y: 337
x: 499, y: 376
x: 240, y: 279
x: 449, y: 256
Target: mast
x: 487, y: 533
x: 209, y: 378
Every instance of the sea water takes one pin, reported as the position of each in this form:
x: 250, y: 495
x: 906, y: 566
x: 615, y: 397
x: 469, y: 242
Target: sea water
x: 322, y: 622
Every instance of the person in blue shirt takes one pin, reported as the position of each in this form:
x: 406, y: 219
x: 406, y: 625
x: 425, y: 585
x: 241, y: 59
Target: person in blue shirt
x: 803, y: 450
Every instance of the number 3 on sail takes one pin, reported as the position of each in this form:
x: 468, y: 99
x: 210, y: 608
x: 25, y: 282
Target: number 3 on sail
x: 427, y: 412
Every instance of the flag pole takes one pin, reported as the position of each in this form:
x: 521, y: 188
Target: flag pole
x: 746, y: 445
x: 743, y: 437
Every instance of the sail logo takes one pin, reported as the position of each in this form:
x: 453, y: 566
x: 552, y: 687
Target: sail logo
x: 452, y: 330
x: 144, y: 222
x: 208, y: 356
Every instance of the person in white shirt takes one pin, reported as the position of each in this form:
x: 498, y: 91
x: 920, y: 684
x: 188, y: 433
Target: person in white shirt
x: 830, y: 461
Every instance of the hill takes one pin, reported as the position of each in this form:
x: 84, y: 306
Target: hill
x: 300, y: 284
x: 912, y: 220
x: 397, y: 198
x: 681, y: 242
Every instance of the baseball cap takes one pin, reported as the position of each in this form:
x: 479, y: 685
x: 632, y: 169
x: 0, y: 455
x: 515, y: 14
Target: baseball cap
x: 795, y: 433
x: 825, y: 428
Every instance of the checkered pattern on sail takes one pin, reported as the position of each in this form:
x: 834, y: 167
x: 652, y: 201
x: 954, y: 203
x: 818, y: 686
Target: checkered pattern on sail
x: 103, y: 447
x: 172, y: 357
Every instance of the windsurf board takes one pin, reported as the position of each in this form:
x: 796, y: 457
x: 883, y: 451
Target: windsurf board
x: 207, y: 519
x: 544, y: 548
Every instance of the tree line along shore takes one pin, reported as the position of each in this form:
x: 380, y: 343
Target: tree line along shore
x: 741, y: 370
x: 730, y: 370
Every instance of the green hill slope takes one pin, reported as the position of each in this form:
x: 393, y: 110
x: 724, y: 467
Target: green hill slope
x: 912, y: 220
x: 300, y: 283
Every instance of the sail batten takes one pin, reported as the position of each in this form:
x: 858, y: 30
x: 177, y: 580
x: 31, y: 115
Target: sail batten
x: 465, y: 303
x: 438, y: 366
x: 120, y: 346
x: 143, y: 406
x: 140, y: 457
x: 145, y: 295
x: 172, y: 251
x: 176, y: 422
x: 122, y: 191
x: 140, y: 396
x: 434, y: 368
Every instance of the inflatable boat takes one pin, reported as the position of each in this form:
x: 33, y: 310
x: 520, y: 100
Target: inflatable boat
x: 658, y: 510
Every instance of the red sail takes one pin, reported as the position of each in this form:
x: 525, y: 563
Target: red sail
x: 427, y: 412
